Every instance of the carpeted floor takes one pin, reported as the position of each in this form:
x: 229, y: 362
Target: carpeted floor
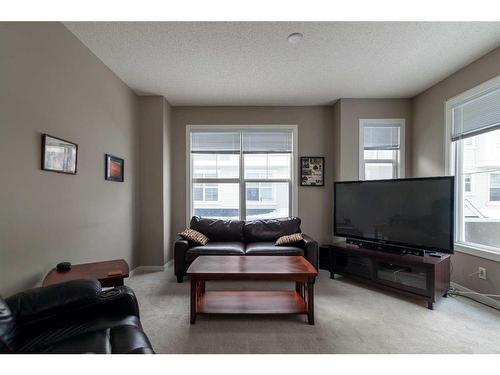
x: 350, y: 318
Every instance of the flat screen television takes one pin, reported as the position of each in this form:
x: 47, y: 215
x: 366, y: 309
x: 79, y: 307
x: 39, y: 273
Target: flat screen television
x: 411, y: 213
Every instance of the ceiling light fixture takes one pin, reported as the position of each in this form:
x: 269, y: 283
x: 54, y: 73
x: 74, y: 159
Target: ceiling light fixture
x: 295, y: 38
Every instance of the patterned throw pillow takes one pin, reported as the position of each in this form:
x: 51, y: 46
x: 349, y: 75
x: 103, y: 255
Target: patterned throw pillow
x: 286, y: 240
x: 194, y: 236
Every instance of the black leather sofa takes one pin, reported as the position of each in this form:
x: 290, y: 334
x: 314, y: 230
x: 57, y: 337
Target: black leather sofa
x: 72, y: 317
x: 236, y: 237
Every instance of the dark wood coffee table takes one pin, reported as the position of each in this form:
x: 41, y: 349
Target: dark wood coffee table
x: 109, y: 273
x: 252, y: 268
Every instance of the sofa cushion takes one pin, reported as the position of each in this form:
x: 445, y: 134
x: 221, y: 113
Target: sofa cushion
x: 270, y: 229
x: 216, y: 248
x: 290, y: 239
x: 194, y: 236
x: 269, y: 248
x: 217, y: 229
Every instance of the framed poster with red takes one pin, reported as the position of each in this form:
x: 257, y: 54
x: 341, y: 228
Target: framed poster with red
x: 114, y: 168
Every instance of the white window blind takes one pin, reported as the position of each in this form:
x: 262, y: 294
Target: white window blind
x: 381, y: 138
x: 267, y: 142
x: 215, y: 142
x: 476, y: 115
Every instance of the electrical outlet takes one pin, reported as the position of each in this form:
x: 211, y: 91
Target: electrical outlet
x: 482, y: 273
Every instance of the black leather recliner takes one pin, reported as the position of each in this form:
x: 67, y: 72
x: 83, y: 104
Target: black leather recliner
x: 72, y: 317
x: 236, y: 237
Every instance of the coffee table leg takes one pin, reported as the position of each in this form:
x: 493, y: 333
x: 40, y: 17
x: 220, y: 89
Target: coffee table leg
x: 194, y: 293
x: 299, y: 288
x: 310, y: 301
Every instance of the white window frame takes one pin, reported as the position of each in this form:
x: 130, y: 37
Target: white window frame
x: 399, y: 168
x: 293, y: 188
x: 451, y: 154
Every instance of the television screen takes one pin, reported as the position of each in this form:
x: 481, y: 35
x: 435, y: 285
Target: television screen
x: 412, y: 212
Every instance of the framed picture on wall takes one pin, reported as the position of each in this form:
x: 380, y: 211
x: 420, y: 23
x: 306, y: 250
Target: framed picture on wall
x: 114, y: 168
x: 312, y: 171
x: 58, y: 155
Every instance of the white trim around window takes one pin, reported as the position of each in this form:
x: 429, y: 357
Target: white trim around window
x: 453, y: 153
x: 294, y: 177
x: 383, y: 122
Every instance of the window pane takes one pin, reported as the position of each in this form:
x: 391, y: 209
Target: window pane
x: 211, y: 192
x: 204, y: 165
x: 381, y: 154
x: 495, y: 187
x: 268, y: 166
x: 221, y: 201
x: 198, y: 193
x: 266, y: 192
x: 279, y: 166
x: 480, y: 169
x: 273, y: 200
x: 216, y: 165
x: 252, y: 192
x: 378, y: 171
x: 255, y: 166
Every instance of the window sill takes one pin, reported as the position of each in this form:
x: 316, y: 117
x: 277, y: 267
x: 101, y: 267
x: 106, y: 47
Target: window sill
x: 478, y: 252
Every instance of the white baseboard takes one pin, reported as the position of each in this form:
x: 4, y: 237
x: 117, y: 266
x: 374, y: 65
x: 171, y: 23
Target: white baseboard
x: 151, y: 268
x: 477, y: 297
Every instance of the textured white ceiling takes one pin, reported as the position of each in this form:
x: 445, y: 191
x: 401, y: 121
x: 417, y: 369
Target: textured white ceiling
x: 251, y: 63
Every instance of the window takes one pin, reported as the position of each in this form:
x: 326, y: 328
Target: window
x: 205, y: 192
x: 473, y: 121
x: 381, y: 148
x: 494, y: 187
x: 468, y: 183
x: 241, y: 173
x: 260, y: 192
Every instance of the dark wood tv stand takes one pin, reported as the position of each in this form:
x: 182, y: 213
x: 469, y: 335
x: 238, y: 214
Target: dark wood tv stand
x: 423, y: 277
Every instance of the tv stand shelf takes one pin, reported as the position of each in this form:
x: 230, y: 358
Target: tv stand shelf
x: 423, y: 277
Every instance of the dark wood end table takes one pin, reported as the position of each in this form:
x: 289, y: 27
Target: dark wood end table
x: 109, y: 273
x: 252, y: 268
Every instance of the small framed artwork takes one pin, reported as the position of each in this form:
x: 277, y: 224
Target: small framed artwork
x: 312, y: 171
x: 114, y: 168
x: 58, y: 155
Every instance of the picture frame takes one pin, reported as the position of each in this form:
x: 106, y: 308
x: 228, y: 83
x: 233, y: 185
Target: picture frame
x: 58, y: 155
x: 312, y: 171
x: 114, y: 168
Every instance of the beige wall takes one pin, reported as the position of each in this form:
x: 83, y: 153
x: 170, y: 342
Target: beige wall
x: 351, y: 111
x: 51, y: 83
x: 155, y: 181
x: 152, y: 215
x: 428, y: 155
x: 168, y: 251
x: 315, y: 134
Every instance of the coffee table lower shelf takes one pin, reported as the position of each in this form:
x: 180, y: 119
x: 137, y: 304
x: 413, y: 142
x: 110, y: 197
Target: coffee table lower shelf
x: 251, y: 302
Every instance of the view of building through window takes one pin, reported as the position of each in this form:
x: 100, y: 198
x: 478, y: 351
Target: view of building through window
x: 480, y: 171
x: 262, y: 191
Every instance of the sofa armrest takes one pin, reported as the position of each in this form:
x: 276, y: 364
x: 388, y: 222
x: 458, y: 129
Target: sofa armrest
x: 47, y: 302
x: 311, y: 252
x: 120, y: 299
x: 180, y: 248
